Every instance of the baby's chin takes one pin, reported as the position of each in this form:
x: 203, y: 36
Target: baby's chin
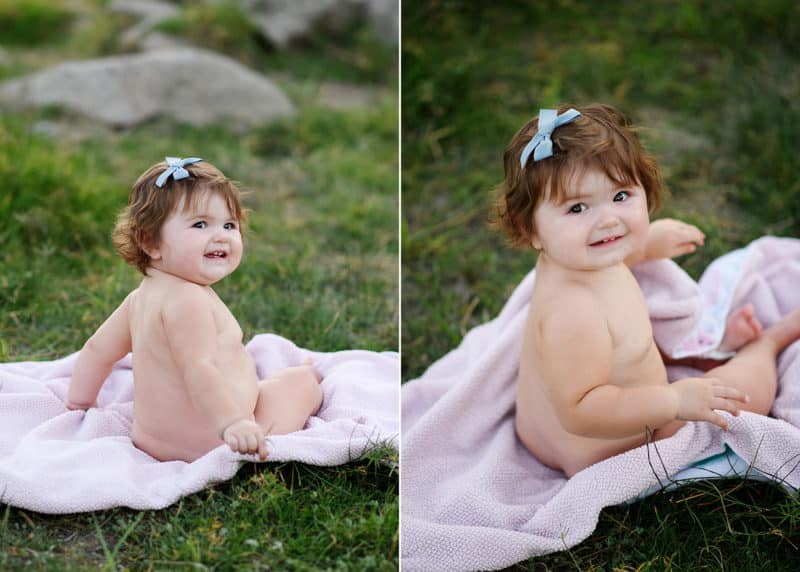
x: 205, y: 278
x: 595, y: 262
x: 210, y: 279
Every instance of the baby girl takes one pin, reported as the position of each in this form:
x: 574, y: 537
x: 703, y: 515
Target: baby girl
x: 579, y: 188
x: 195, y: 386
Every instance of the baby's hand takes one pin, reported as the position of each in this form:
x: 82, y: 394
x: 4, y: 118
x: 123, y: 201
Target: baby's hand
x: 246, y: 436
x: 698, y: 397
x: 668, y: 238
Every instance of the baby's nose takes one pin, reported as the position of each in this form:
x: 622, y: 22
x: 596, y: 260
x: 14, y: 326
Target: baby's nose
x: 608, y: 220
x: 219, y: 235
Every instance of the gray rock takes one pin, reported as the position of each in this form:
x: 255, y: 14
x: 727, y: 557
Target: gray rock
x: 282, y: 21
x: 154, y: 9
x: 385, y: 18
x: 151, y: 12
x: 188, y: 85
x: 161, y: 41
x: 51, y: 129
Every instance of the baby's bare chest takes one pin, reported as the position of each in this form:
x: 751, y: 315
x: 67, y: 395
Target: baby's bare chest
x: 635, y: 359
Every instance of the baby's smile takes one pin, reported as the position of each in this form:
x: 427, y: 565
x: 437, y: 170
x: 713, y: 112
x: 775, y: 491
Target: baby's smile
x: 216, y: 254
x: 608, y: 241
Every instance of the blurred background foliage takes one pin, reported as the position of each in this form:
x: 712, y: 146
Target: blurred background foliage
x: 713, y: 86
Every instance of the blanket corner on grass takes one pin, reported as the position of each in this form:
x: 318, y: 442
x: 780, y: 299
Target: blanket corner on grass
x: 57, y: 461
x: 475, y: 499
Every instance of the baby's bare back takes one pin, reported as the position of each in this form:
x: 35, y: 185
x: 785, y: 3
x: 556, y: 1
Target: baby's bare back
x: 167, y: 425
x: 634, y: 361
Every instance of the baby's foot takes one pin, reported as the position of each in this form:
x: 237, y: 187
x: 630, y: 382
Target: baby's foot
x: 741, y: 328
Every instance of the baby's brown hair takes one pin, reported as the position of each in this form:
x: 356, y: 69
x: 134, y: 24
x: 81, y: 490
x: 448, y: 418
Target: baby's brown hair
x: 139, y: 224
x: 601, y: 137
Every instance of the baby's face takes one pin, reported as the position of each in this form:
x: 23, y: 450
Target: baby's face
x: 201, y: 245
x: 598, y: 226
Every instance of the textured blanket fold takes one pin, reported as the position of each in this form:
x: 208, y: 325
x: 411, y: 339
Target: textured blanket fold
x: 53, y: 460
x: 474, y: 498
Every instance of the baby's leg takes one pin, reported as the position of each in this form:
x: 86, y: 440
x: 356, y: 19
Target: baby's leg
x: 753, y: 368
x: 287, y: 399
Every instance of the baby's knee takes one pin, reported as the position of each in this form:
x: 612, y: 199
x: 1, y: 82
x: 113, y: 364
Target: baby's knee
x: 311, y: 372
x: 307, y: 384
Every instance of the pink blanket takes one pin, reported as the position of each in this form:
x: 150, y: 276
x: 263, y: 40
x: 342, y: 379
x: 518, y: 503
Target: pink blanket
x: 57, y: 461
x: 474, y: 498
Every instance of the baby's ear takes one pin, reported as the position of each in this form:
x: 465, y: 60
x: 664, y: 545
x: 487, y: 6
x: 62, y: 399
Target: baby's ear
x: 146, y: 243
x: 535, y: 242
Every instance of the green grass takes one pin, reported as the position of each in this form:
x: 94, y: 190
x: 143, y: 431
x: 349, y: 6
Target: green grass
x: 320, y: 268
x: 29, y: 22
x: 708, y: 525
x: 715, y: 88
x: 320, y: 261
x: 285, y: 516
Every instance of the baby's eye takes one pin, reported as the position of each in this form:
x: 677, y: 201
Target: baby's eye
x: 577, y: 208
x: 621, y: 196
x: 199, y: 224
x: 230, y: 226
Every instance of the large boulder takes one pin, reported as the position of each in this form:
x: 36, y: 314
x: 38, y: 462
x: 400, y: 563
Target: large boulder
x: 282, y: 21
x: 190, y: 85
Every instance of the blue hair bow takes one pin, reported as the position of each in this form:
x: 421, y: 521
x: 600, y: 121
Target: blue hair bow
x: 541, y: 145
x: 175, y: 167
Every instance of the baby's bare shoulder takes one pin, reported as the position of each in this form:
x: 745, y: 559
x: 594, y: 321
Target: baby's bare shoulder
x: 183, y: 299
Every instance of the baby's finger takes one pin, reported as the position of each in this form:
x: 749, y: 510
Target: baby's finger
x: 694, y: 232
x: 252, y: 443
x: 721, y: 404
x: 695, y: 240
x: 262, y: 449
x: 232, y: 443
x: 717, y: 419
x: 729, y: 392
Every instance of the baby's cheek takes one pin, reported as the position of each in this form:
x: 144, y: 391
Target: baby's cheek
x: 640, y: 223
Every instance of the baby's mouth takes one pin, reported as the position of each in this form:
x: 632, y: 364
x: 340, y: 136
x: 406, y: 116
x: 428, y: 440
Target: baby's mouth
x: 608, y: 241
x: 216, y: 254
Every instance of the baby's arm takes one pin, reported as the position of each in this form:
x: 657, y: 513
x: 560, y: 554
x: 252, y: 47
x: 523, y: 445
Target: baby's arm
x: 576, y: 362
x: 192, y: 336
x: 110, y: 343
x: 667, y: 238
